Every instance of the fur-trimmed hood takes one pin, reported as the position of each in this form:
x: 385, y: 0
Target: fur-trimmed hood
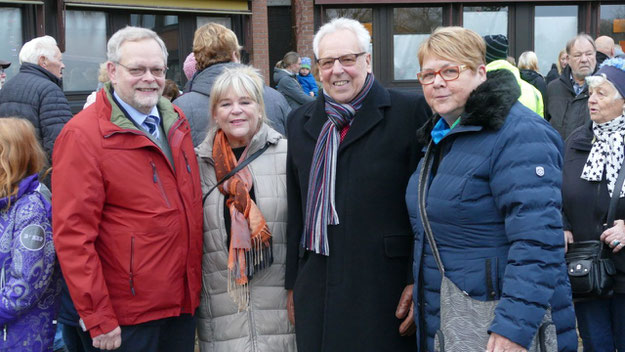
x: 488, y: 105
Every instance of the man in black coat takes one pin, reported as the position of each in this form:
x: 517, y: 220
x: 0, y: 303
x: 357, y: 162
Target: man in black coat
x: 35, y: 93
x: 567, y: 106
x: 349, y: 249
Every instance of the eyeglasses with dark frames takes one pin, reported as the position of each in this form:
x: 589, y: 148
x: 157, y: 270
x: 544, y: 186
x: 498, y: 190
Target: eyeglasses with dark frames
x: 345, y: 60
x: 447, y: 73
x: 141, y: 70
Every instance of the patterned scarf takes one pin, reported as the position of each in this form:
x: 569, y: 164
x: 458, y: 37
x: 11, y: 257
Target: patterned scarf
x: 606, y: 152
x: 250, y: 239
x: 320, y: 208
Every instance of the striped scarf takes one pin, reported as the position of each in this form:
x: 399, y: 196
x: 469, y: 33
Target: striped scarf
x: 320, y: 207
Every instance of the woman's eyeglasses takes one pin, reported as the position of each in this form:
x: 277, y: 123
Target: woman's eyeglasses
x: 448, y: 73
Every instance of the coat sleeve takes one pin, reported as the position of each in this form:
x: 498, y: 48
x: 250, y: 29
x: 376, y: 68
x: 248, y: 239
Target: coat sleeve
x: 526, y: 177
x: 291, y: 88
x: 54, y: 112
x: 79, y: 197
x: 32, y: 265
x: 295, y: 222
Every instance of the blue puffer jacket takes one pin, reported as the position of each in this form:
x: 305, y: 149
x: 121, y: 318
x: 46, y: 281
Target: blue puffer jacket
x: 35, y: 94
x: 494, y: 207
x: 29, y: 274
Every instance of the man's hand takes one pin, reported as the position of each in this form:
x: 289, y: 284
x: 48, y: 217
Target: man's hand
x: 109, y: 341
x: 568, y: 238
x: 290, y: 307
x: 498, y: 343
x: 405, y: 310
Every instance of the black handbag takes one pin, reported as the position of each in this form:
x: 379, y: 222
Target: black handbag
x: 589, y: 263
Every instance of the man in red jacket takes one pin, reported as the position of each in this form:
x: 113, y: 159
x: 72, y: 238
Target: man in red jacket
x: 127, y: 206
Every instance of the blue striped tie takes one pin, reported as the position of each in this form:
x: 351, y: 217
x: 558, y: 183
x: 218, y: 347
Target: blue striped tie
x: 151, y: 122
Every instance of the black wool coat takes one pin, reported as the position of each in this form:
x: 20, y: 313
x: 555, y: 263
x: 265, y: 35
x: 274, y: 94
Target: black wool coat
x: 565, y: 110
x: 347, y: 300
x: 585, y: 203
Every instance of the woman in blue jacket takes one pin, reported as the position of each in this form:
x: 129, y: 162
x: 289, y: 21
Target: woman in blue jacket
x: 493, y: 201
x: 29, y: 275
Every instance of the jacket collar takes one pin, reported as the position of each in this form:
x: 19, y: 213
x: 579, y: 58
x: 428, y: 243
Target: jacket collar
x: 583, y: 139
x: 26, y: 185
x: 365, y: 119
x: 487, y: 107
x: 265, y: 135
x: 203, y: 81
x: 40, y: 71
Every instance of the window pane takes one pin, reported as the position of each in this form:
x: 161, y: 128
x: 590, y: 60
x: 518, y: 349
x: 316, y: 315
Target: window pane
x: 224, y: 21
x: 168, y: 29
x: 362, y: 15
x: 11, y: 29
x: 486, y: 20
x: 83, y: 53
x: 547, y: 41
x: 612, y: 23
x: 410, y: 27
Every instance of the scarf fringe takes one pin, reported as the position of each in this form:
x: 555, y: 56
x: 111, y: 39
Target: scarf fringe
x: 241, y: 272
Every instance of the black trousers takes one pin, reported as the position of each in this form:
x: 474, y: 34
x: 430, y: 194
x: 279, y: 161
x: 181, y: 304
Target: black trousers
x: 162, y: 335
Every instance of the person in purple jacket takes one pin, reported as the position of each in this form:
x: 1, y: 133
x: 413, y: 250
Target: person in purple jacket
x: 29, y: 274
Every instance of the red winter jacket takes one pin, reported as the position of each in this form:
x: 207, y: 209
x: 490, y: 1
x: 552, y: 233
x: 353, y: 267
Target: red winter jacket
x: 127, y: 225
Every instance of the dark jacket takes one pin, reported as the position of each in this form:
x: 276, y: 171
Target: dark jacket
x: 287, y: 84
x: 196, y: 107
x: 36, y: 94
x: 585, y: 203
x: 494, y: 209
x: 537, y: 80
x: 601, y: 57
x: 347, y: 300
x: 552, y: 74
x: 565, y: 110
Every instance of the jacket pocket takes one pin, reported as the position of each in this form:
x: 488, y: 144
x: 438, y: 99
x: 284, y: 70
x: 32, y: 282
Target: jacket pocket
x: 159, y: 184
x: 398, y: 245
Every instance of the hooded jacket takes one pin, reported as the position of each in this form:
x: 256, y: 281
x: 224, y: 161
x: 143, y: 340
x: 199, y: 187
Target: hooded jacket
x: 537, y: 80
x: 36, y: 95
x: 127, y: 220
x: 287, y: 84
x: 195, y: 103
x: 264, y: 325
x: 494, y: 208
x: 530, y: 96
x: 29, y: 274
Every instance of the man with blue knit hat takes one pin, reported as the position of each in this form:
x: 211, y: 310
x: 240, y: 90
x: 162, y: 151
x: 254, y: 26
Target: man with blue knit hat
x: 306, y: 79
x: 496, y: 55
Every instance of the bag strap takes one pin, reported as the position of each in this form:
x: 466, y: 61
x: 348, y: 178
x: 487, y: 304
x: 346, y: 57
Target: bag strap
x: 424, y: 178
x: 236, y: 169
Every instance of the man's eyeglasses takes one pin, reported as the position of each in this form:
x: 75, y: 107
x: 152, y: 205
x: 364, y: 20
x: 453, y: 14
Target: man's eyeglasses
x: 345, y: 60
x: 448, y: 73
x: 141, y: 70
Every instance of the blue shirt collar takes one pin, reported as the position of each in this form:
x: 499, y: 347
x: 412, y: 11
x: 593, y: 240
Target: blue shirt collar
x: 137, y: 116
x: 441, y: 129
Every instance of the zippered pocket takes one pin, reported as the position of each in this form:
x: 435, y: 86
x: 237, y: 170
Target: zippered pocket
x: 186, y: 160
x: 132, y: 265
x: 157, y: 180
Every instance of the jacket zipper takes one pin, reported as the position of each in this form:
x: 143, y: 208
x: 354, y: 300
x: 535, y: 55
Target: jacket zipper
x: 186, y: 160
x: 132, y: 264
x: 157, y: 181
x: 252, y: 325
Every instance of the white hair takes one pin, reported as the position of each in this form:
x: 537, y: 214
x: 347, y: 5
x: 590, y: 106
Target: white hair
x: 342, y: 23
x: 36, y: 48
x: 596, y: 81
x: 133, y: 34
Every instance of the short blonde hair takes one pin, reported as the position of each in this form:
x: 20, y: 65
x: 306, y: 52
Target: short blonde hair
x: 244, y: 81
x: 214, y: 43
x: 21, y: 154
x: 455, y: 44
x: 528, y: 61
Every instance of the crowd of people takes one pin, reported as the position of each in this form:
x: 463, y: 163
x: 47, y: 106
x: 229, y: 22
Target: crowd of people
x: 328, y: 214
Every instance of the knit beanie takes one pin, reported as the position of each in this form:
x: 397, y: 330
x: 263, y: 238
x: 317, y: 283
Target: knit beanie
x: 614, y: 71
x: 496, y: 47
x: 189, y: 66
x: 305, y: 62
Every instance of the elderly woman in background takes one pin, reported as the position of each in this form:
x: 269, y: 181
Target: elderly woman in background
x: 284, y: 75
x: 243, y: 305
x: 493, y: 200
x: 528, y: 67
x: 593, y: 158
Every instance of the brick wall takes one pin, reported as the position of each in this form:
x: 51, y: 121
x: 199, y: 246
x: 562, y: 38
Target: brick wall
x: 303, y: 11
x: 259, y: 53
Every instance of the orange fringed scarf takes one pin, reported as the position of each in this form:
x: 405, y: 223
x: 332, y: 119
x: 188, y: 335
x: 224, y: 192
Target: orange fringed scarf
x: 250, y: 239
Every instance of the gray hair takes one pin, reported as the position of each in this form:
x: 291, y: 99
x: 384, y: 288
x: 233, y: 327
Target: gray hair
x: 36, y: 48
x: 596, y: 81
x: 244, y: 81
x: 581, y: 36
x: 132, y: 34
x: 342, y: 23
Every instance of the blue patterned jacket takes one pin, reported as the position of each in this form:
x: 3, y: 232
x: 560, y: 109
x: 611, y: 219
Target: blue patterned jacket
x: 29, y: 274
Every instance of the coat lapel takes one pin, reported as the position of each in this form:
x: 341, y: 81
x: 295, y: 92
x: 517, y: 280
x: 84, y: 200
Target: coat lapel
x: 317, y: 117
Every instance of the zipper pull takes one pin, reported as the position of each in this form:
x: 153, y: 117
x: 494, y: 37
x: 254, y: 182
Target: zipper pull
x: 186, y: 160
x: 154, y: 177
x: 4, y: 329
